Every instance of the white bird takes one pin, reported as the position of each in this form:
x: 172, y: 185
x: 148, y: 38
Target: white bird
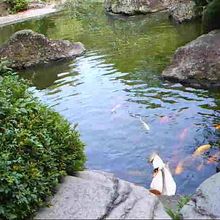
x: 163, y: 182
x: 146, y: 126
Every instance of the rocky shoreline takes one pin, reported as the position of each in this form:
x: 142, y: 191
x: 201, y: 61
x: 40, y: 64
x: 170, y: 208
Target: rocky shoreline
x: 179, y: 10
x: 99, y: 195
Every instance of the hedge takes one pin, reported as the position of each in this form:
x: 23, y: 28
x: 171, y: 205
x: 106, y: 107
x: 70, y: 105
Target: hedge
x: 211, y: 16
x: 37, y: 148
x: 17, y: 5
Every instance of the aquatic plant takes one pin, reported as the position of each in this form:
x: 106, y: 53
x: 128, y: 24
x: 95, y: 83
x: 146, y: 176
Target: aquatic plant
x: 175, y: 214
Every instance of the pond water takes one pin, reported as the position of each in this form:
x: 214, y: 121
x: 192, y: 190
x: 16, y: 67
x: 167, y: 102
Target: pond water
x: 116, y: 82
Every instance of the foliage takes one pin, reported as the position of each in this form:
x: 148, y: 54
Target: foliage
x: 211, y: 16
x: 176, y: 214
x: 201, y: 2
x: 4, y: 69
x: 78, y: 7
x: 17, y: 5
x: 37, y: 148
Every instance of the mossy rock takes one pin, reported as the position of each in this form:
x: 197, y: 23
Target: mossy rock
x: 27, y: 48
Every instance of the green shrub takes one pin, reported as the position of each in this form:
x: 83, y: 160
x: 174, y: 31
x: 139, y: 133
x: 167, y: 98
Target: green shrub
x: 201, y: 2
x: 37, y: 148
x: 211, y: 16
x: 17, y: 5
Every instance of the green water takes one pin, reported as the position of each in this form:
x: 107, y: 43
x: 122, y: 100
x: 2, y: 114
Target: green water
x: 121, y: 70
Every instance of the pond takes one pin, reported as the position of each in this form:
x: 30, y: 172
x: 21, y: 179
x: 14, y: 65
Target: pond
x: 116, y: 82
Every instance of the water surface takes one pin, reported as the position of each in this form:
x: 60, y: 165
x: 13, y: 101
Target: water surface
x: 116, y: 82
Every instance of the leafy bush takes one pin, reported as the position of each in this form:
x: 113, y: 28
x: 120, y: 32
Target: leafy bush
x: 201, y: 2
x: 37, y: 148
x: 211, y: 16
x: 17, y: 5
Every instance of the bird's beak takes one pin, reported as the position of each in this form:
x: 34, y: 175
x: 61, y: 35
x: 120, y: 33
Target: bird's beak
x: 150, y: 160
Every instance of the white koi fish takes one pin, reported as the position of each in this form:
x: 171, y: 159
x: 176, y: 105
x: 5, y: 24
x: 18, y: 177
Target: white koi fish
x: 115, y: 108
x: 145, y: 125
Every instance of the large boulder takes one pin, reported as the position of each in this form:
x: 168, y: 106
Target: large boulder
x: 131, y: 7
x: 179, y: 10
x: 183, y: 10
x: 26, y: 48
x: 205, y: 204
x: 197, y: 63
x: 100, y: 195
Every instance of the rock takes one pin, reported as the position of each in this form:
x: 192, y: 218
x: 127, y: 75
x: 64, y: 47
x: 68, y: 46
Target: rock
x: 170, y: 202
x: 36, y: 4
x: 131, y: 7
x: 197, y: 63
x: 26, y: 48
x: 182, y: 11
x: 205, y: 204
x: 179, y: 10
x: 99, y: 195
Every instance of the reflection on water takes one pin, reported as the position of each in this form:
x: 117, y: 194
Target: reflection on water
x: 116, y: 82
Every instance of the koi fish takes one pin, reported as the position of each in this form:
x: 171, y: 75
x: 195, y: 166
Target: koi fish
x: 200, y: 166
x: 62, y: 74
x: 164, y: 119
x: 145, y: 125
x: 183, y: 134
x: 217, y: 126
x: 201, y: 149
x: 179, y: 168
x: 115, y: 108
x: 214, y: 158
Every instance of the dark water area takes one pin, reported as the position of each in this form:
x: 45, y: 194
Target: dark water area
x: 118, y: 81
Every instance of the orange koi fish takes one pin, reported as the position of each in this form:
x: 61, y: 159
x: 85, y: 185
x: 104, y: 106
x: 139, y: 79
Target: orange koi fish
x: 214, y: 158
x: 217, y: 126
x: 179, y: 168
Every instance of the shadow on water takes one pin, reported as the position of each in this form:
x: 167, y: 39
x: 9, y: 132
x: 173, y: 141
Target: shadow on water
x: 116, y: 82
